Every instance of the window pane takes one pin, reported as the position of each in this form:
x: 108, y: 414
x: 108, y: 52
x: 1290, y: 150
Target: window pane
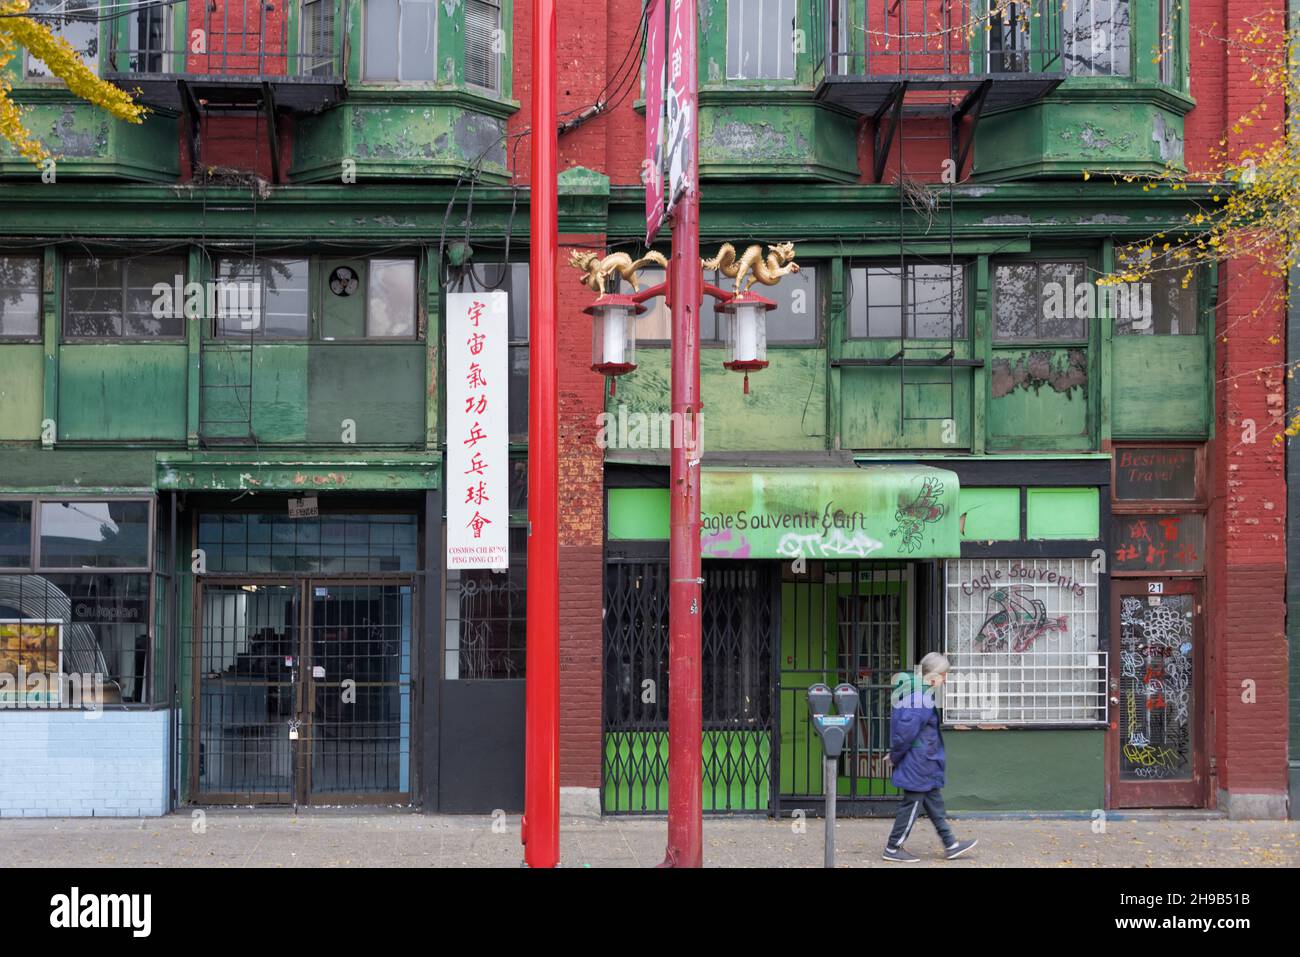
x: 285, y: 298
x: 381, y: 40
x: 1163, y: 301
x: 875, y: 303
x: 318, y: 37
x: 1096, y: 37
x: 482, y: 19
x: 656, y: 323
x: 486, y: 619
x: 936, y: 302
x: 15, y: 534
x: 75, y: 25
x: 93, y: 295
x: 795, y: 317
x: 760, y: 39
x: 1015, y: 300
x: 419, y: 54
x: 141, y: 277
x: 390, y: 304
x: 1069, y: 323
x: 79, y: 625
x: 108, y: 534
x: 20, y: 296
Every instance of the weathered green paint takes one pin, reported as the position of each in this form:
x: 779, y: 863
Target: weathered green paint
x: 1039, y: 398
x: 318, y: 470
x: 87, y: 142
x: 1023, y: 770
x: 1160, y: 386
x: 379, y: 387
x: 42, y: 470
x: 872, y: 410
x: 386, y: 135
x: 786, y: 135
x: 990, y: 514
x: 1103, y: 131
x: 279, y: 392
x: 637, y: 514
x: 1062, y: 513
x: 784, y: 408
x: 113, y: 391
x: 22, y: 370
x: 889, y: 511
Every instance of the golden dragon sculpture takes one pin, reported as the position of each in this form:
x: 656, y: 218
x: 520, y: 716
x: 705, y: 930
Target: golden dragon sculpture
x: 752, y: 264
x: 597, y: 271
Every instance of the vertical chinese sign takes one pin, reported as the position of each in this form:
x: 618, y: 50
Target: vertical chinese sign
x: 652, y: 169
x: 478, y: 462
x: 681, y: 107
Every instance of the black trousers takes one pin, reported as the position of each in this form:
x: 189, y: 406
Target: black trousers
x: 910, y: 807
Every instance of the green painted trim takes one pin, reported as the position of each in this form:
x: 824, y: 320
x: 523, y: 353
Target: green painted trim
x: 51, y: 296
x: 1062, y: 513
x: 990, y: 514
x: 198, y: 269
x: 637, y: 514
x: 298, y: 473
x: 1024, y: 770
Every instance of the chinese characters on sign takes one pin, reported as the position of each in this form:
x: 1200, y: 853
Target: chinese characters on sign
x: 478, y: 463
x: 652, y: 169
x: 681, y: 105
x: 1160, y: 543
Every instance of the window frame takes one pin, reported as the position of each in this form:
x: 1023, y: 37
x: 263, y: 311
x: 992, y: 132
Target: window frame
x: 795, y: 23
x: 966, y: 268
x: 1038, y: 339
x: 397, y: 47
x: 26, y: 76
x: 66, y: 338
x: 495, y: 55
x: 260, y: 330
x: 37, y: 336
x: 1193, y: 290
x: 1129, y: 73
x: 38, y: 568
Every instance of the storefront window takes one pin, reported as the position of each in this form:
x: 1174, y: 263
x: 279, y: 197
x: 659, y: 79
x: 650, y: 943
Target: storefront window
x: 74, y: 640
x: 266, y: 542
x: 15, y: 534
x: 1022, y: 635
x: 103, y: 534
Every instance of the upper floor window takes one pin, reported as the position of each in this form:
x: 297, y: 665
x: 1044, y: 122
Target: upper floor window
x: 483, y: 44
x: 1096, y: 35
x: 401, y: 40
x: 931, y: 304
x: 115, y: 297
x: 1170, y: 30
x: 262, y: 298
x: 148, y: 32
x: 75, y: 21
x: 1042, y: 301
x: 1161, y: 302
x: 760, y: 39
x: 318, y: 37
x: 20, y: 297
x: 794, y: 321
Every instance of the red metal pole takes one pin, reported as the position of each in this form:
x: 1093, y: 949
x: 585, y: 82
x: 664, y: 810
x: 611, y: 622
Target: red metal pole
x: 541, y: 823
x: 685, y: 596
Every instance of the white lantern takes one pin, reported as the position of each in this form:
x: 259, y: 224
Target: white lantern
x: 746, y: 332
x: 613, y: 335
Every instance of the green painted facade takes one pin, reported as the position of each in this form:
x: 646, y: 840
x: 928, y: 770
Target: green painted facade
x: 1030, y: 770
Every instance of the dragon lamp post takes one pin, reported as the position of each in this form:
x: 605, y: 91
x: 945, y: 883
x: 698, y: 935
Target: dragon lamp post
x: 613, y: 328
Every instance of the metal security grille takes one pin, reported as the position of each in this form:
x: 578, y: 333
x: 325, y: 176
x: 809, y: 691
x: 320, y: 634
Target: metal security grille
x: 303, y: 689
x: 737, y: 644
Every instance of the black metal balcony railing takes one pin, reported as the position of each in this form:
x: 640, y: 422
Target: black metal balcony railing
x: 266, y: 38
x: 235, y: 45
x: 1014, y: 48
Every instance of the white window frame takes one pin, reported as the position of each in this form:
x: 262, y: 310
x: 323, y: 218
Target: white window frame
x: 1059, y: 678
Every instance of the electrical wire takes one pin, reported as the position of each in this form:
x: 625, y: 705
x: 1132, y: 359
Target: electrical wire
x: 101, y: 16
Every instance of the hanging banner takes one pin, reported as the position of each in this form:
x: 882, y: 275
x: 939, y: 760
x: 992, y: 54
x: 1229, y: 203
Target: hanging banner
x: 478, y: 460
x: 681, y: 104
x: 652, y: 168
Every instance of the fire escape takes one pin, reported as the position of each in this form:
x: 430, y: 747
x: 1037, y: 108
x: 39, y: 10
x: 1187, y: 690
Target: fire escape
x: 909, y: 67
x: 256, y: 59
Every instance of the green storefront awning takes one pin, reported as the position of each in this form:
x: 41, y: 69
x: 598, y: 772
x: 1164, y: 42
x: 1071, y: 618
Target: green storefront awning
x: 877, y: 511
x: 882, y: 511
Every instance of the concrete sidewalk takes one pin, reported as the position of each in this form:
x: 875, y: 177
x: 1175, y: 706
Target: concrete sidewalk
x: 399, y: 838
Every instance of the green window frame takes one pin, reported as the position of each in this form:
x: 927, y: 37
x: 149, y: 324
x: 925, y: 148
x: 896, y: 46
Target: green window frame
x: 20, y: 297
x: 1052, y: 281
x: 127, y: 308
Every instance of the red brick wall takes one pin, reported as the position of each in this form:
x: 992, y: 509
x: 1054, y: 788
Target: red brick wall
x: 1247, y: 559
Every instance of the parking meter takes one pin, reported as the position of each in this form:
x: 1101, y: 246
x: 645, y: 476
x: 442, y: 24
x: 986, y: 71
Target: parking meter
x: 833, y: 730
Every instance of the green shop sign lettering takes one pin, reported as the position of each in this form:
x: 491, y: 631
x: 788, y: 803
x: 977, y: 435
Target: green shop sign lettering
x: 890, y: 511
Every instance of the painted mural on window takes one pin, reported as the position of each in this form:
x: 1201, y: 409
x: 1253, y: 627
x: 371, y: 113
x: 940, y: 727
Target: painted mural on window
x: 1156, y: 648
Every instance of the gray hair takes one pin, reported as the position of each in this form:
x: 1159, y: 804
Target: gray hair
x: 934, y: 663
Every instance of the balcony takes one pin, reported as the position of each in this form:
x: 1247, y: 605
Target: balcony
x: 936, y: 58
x: 232, y: 54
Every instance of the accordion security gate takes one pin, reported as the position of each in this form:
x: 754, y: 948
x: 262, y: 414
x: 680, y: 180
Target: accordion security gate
x: 768, y: 633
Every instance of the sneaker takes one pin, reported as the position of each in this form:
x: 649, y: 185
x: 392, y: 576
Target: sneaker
x: 958, y: 849
x: 899, y: 855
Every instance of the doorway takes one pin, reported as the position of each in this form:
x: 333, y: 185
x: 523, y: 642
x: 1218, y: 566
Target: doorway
x: 1157, y: 748
x: 841, y: 622
x: 304, y: 691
